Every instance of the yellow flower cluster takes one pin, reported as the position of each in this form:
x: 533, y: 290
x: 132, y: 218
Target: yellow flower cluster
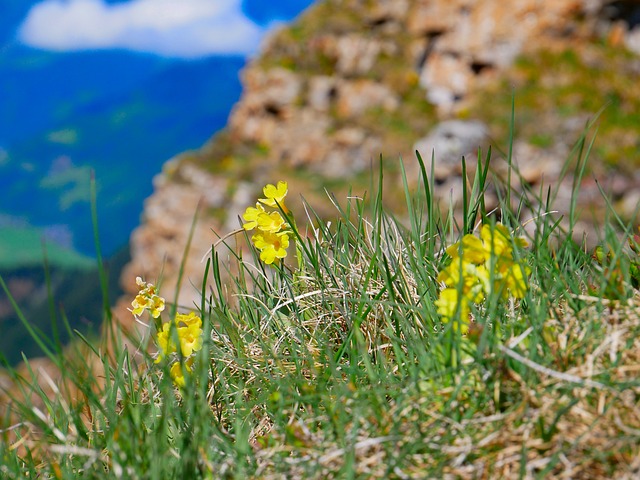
x: 478, y: 267
x: 272, y: 236
x: 147, y: 299
x: 189, y: 331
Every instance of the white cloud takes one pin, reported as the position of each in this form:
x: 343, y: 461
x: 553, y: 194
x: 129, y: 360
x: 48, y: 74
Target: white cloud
x: 178, y: 28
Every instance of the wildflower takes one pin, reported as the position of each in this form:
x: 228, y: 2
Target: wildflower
x: 516, y: 280
x: 190, y: 339
x: 178, y: 370
x: 272, y: 237
x: 272, y: 246
x: 251, y: 216
x: 509, y: 275
x: 270, y: 222
x: 189, y: 319
x: 448, y: 303
x: 461, y: 273
x: 189, y: 332
x: 147, y: 299
x: 480, y: 266
x: 497, y: 241
x: 275, y: 195
x: 156, y: 306
x: 472, y: 247
x: 165, y: 342
x: 139, y: 305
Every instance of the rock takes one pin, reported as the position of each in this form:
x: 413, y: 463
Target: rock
x: 355, y: 155
x: 349, y: 137
x: 432, y: 18
x: 450, y: 140
x: 302, y: 140
x: 475, y: 37
x: 244, y: 196
x: 388, y: 11
x: 158, y: 244
x: 446, y: 79
x: 534, y: 165
x: 357, y: 96
x: 356, y: 54
x: 322, y: 92
x: 273, y: 88
x: 632, y: 40
x: 270, y: 96
x: 628, y: 205
x: 213, y: 189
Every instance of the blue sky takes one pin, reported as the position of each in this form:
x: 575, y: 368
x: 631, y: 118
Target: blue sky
x: 170, y: 28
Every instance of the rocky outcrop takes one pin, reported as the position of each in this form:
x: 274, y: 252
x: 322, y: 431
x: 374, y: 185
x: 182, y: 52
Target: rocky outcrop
x: 466, y: 40
x: 347, y: 82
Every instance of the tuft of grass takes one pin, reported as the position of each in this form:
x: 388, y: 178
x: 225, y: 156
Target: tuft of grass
x: 336, y: 363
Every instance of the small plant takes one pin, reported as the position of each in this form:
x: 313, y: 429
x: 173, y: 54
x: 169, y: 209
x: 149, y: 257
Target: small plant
x: 479, y: 268
x: 272, y: 237
x: 186, y: 327
x: 147, y: 299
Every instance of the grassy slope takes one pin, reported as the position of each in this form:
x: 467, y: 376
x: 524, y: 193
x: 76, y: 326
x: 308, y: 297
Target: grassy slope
x: 339, y: 366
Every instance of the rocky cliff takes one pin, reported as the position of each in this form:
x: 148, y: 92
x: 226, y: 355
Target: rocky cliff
x: 351, y: 81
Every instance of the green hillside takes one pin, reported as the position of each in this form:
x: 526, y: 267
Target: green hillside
x: 26, y: 246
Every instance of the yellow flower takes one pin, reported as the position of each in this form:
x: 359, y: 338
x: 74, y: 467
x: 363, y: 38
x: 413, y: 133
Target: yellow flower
x: 516, y: 280
x: 275, y: 195
x: 449, y: 302
x: 497, y: 241
x: 165, y: 343
x: 190, y: 339
x: 458, y: 272
x: 478, y: 267
x: 139, y: 304
x: 156, y: 306
x: 189, y: 336
x: 251, y: 216
x: 509, y: 275
x: 271, y: 245
x: 270, y: 222
x: 178, y: 370
x: 470, y: 247
x: 147, y: 299
x: 469, y: 278
x: 189, y: 319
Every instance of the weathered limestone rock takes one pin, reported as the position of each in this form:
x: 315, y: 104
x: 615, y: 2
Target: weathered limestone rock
x: 357, y: 54
x: 466, y: 38
x: 446, y: 79
x: 452, y: 139
x: 358, y: 96
x: 275, y: 88
x: 389, y: 11
x: 322, y: 92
